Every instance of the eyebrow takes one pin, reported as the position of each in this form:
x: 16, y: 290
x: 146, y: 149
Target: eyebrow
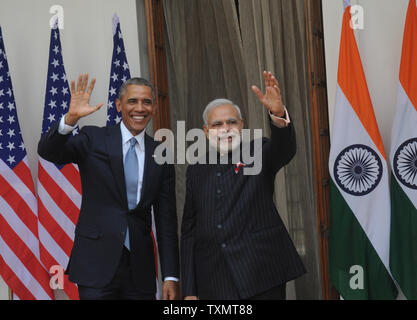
x: 230, y: 119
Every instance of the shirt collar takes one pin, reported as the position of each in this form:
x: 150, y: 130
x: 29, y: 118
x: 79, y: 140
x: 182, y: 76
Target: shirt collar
x: 127, y: 135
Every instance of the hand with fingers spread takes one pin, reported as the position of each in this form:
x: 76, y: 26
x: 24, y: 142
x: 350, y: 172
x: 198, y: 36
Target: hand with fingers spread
x: 80, y: 100
x: 272, y: 97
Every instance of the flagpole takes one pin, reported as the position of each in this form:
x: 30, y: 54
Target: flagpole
x: 10, y: 294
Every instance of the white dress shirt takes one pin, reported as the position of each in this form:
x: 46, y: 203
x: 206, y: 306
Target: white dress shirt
x: 65, y: 129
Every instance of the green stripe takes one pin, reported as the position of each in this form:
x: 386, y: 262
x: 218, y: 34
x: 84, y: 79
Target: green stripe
x: 403, y: 255
x: 349, y: 246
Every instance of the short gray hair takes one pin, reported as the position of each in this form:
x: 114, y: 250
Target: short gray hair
x: 137, y: 82
x: 216, y: 103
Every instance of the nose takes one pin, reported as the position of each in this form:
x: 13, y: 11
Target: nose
x: 140, y: 107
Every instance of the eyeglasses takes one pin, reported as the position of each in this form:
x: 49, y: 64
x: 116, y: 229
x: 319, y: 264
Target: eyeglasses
x: 219, y: 124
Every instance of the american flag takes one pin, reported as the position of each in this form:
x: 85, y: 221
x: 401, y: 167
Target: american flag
x: 20, y: 264
x: 59, y: 187
x: 120, y: 73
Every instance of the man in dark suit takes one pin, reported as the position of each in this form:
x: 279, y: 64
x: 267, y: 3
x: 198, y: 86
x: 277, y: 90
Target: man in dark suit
x: 234, y: 244
x: 113, y: 255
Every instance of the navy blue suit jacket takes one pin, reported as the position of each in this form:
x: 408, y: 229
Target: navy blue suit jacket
x: 104, y: 214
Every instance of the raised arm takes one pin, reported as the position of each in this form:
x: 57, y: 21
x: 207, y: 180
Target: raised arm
x: 60, y: 147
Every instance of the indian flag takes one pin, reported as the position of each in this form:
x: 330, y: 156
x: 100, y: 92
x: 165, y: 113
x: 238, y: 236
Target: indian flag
x: 404, y: 166
x: 360, y: 198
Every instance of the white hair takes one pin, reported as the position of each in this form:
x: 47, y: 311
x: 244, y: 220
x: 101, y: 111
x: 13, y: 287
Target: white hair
x: 217, y: 103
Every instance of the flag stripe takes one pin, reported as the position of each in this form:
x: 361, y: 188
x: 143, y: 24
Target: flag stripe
x: 19, y: 227
x: 23, y: 273
x: 55, y: 230
x: 63, y: 182
x: 72, y: 174
x: 408, y: 69
x: 19, y: 247
x: 69, y: 288
x: 60, y: 198
x: 52, y: 246
x: 13, y: 281
x: 13, y: 180
x: 48, y: 204
x: 19, y: 207
x: 351, y: 80
x: 352, y: 247
x: 22, y: 171
x: 403, y: 240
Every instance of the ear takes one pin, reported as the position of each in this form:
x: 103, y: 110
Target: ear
x: 242, y: 124
x: 206, y: 131
x: 118, y: 105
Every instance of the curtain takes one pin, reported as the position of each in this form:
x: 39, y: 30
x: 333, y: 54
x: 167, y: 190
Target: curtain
x: 219, y: 49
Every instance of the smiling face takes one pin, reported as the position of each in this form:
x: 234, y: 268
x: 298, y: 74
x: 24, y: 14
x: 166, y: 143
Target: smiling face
x: 224, y: 128
x: 137, y: 107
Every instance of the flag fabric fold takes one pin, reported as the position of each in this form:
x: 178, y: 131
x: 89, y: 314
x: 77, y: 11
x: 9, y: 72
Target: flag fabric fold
x: 360, y: 199
x: 59, y: 187
x: 20, y: 265
x: 403, y: 158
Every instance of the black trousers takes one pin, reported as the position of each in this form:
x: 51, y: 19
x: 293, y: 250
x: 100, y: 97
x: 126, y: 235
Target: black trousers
x: 277, y: 293
x: 120, y: 288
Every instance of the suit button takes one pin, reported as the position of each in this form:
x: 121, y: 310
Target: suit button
x: 219, y: 191
x: 224, y: 245
x: 219, y: 226
x: 219, y: 174
x: 123, y: 233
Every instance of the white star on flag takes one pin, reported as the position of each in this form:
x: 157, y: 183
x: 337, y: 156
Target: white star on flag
x: 55, y: 63
x: 53, y: 91
x: 52, y: 104
x: 54, y: 77
x: 11, y: 133
x: 11, y: 160
x: 11, y: 119
x: 114, y: 77
x: 51, y: 118
x: 10, y: 146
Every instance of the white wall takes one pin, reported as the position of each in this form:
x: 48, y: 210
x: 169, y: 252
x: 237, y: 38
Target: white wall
x: 380, y: 45
x: 87, y: 43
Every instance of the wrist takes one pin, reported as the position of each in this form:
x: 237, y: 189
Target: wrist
x: 278, y: 114
x: 71, y: 120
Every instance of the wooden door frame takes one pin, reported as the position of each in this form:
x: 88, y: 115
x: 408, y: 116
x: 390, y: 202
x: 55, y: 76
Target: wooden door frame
x: 321, y: 134
x: 155, y: 23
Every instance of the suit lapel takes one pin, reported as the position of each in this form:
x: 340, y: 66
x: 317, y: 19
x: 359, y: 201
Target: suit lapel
x: 115, y: 152
x: 147, y: 170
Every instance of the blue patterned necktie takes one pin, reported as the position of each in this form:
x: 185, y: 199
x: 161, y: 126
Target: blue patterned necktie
x: 132, y: 179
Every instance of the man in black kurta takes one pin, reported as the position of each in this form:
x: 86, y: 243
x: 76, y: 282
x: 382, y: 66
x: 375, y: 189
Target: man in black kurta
x: 234, y: 244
